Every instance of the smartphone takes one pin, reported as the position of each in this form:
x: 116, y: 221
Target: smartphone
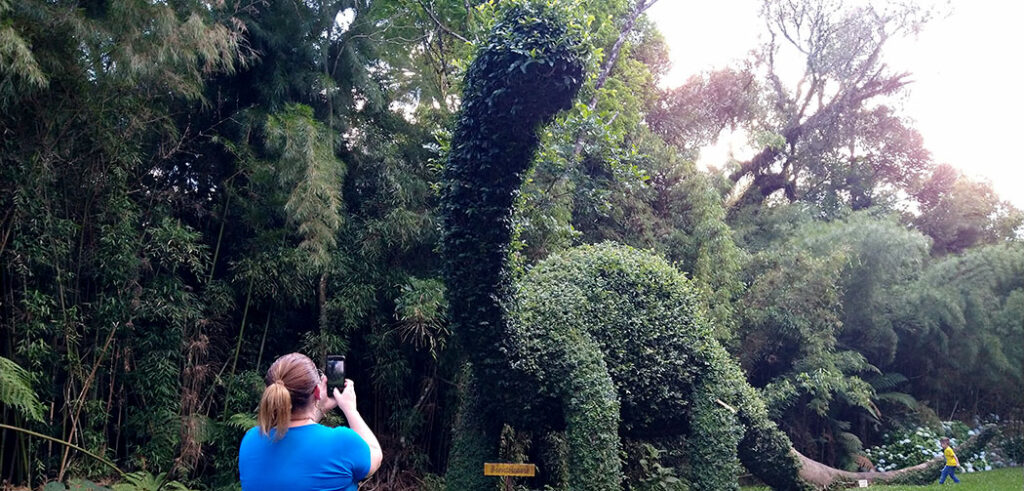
x: 335, y: 372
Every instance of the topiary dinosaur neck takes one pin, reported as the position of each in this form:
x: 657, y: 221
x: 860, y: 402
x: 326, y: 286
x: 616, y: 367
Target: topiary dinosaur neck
x: 529, y: 70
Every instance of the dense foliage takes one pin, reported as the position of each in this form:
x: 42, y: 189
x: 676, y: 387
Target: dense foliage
x: 191, y: 188
x: 616, y: 342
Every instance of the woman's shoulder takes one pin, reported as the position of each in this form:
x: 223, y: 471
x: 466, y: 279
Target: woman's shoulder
x: 335, y: 431
x: 251, y: 435
x: 341, y: 435
x: 311, y: 432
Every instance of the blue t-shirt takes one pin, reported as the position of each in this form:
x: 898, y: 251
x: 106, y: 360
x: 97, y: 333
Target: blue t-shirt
x: 310, y: 457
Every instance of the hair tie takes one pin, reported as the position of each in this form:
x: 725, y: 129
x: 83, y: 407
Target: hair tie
x: 280, y: 382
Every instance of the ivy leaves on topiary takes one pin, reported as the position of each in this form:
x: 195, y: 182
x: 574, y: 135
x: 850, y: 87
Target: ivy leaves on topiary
x: 644, y: 322
x: 529, y: 69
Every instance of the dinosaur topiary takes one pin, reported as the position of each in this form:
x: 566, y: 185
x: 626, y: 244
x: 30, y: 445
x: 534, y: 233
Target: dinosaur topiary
x: 602, y: 342
x: 530, y: 69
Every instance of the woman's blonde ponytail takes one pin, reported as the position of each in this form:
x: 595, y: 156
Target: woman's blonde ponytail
x: 275, y: 409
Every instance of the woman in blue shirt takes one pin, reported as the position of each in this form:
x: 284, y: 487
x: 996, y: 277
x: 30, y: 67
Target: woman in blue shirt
x: 290, y: 450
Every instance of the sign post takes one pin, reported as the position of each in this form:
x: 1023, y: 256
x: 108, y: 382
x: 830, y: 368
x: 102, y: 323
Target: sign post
x: 509, y: 470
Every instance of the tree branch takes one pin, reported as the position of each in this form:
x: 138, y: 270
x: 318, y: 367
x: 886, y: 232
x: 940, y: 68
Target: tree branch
x: 613, y: 55
x: 609, y: 62
x: 443, y: 27
x: 70, y: 445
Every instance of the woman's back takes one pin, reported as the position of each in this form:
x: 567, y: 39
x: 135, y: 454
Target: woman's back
x: 310, y: 457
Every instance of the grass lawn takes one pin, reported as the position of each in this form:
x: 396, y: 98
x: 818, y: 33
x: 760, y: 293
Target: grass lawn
x: 1008, y: 479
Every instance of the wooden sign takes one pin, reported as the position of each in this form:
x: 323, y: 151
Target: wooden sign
x: 520, y: 470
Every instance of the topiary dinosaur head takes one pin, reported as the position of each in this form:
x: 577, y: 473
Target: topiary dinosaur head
x: 530, y: 69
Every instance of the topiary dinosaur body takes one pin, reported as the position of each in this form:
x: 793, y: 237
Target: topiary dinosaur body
x: 611, y: 342
x: 601, y: 342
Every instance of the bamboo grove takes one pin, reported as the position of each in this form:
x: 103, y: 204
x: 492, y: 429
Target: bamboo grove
x: 190, y: 188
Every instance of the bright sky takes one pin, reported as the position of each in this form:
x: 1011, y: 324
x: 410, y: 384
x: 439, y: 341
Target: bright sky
x: 966, y: 100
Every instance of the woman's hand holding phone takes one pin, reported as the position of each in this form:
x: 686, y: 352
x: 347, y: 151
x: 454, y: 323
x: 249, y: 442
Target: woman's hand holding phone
x: 346, y: 400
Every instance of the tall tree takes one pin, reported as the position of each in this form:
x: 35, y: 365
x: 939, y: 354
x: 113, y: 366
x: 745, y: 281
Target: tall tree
x: 828, y: 138
x: 958, y: 212
x: 819, y: 319
x: 695, y: 114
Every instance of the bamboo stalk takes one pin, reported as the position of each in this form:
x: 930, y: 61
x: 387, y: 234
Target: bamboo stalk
x: 62, y: 442
x: 322, y: 297
x: 120, y: 419
x: 49, y: 445
x: 6, y: 233
x: 81, y: 401
x: 3, y: 444
x: 263, y: 342
x: 22, y: 440
x: 238, y: 344
x: 220, y: 235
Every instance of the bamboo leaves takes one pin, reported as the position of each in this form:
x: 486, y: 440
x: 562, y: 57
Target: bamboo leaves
x: 307, y: 165
x: 17, y: 63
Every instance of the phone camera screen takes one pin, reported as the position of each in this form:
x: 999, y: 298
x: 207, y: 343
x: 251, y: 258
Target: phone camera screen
x: 335, y: 371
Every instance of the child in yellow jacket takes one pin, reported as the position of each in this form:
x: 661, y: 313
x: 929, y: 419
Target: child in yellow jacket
x: 951, y: 462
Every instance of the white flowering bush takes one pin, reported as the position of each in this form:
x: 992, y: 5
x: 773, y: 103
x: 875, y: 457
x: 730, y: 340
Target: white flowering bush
x: 905, y: 449
x: 922, y: 444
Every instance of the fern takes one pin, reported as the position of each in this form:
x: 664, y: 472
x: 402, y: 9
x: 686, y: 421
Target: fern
x: 145, y: 481
x: 241, y: 421
x: 887, y: 381
x: 16, y: 390
x: 901, y: 398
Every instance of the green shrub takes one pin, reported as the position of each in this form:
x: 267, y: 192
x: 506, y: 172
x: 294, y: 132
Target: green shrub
x: 653, y: 476
x: 610, y: 316
x: 1012, y: 446
x: 905, y: 448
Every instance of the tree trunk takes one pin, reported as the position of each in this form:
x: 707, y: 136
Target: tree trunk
x: 322, y: 303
